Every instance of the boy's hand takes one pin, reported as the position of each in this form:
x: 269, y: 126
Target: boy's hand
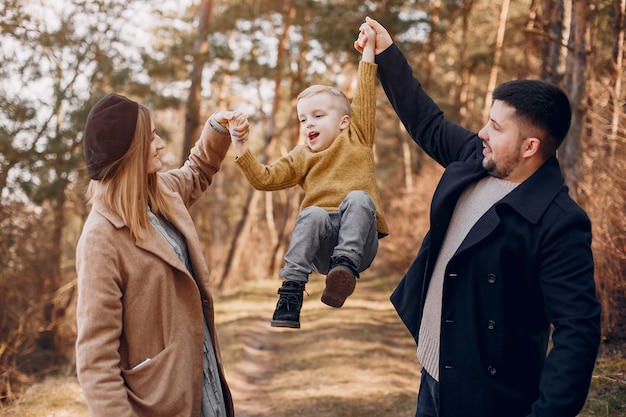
x: 383, y: 38
x: 361, y: 41
x: 239, y: 128
x: 368, y: 37
x: 366, y: 42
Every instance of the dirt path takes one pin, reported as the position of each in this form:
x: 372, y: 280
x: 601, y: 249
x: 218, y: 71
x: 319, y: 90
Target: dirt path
x: 354, y: 361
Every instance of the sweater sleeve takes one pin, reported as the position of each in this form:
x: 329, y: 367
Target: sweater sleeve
x: 364, y: 103
x: 284, y: 173
x: 196, y: 174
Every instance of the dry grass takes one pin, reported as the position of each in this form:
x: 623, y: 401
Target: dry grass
x: 54, y: 397
x: 355, y: 361
x: 607, y: 395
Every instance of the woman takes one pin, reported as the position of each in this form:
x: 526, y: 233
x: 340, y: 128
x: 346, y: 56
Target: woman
x: 146, y: 343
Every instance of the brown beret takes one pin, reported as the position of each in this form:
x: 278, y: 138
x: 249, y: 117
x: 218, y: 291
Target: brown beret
x: 109, y: 130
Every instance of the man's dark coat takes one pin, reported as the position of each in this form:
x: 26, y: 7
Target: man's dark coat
x: 524, y: 266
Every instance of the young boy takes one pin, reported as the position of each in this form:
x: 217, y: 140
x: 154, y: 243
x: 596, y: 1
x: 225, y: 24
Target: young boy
x: 341, y: 218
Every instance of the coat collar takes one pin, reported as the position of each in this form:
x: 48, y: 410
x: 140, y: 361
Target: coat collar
x: 530, y: 199
x: 534, y: 195
x: 153, y: 242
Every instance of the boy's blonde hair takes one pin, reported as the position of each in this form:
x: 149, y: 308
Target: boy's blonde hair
x: 341, y: 99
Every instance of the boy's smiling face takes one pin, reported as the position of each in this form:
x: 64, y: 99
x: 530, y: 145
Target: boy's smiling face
x: 321, y: 120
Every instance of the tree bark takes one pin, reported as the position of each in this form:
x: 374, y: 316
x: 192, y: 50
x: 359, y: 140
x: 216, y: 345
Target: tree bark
x: 465, y: 93
x: 200, y: 50
x: 241, y: 234
x: 431, y: 44
x: 619, y: 7
x: 497, y: 54
x: 575, y: 84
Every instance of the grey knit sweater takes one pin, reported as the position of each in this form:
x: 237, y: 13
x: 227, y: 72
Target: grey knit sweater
x: 473, y: 203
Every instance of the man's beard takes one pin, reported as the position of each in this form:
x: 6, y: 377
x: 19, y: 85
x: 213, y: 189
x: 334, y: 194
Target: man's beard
x: 496, y: 170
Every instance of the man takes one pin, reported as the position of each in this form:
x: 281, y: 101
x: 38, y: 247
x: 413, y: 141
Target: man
x: 507, y: 256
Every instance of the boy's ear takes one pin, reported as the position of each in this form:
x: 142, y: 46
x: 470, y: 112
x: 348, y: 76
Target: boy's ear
x: 345, y: 122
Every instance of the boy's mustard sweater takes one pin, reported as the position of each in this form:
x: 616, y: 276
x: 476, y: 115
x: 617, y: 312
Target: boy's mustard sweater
x: 328, y: 176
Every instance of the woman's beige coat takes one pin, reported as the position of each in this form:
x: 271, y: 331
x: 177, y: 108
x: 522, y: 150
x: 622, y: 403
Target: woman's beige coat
x: 137, y: 301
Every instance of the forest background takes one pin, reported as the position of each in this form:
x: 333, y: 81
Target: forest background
x: 186, y: 59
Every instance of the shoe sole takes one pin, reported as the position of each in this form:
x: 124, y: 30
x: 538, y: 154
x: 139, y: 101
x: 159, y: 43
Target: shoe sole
x: 340, y: 284
x: 285, y: 323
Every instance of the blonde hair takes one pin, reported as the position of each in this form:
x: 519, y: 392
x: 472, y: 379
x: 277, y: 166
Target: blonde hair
x: 341, y: 100
x: 130, y: 191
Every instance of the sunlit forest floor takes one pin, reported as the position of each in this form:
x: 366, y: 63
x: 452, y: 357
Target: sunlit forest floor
x: 355, y: 361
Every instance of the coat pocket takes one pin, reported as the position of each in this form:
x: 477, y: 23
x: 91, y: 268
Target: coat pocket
x: 155, y: 388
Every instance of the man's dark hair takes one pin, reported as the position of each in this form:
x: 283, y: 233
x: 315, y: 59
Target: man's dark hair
x: 539, y: 104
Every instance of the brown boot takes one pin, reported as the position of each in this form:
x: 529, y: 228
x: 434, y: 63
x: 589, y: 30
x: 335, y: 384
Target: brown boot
x: 340, y: 283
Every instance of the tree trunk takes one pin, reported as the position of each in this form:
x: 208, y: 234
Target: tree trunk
x: 240, y: 237
x: 556, y: 22
x: 576, y: 86
x: 497, y: 54
x: 551, y: 26
x: 292, y: 205
x: 51, y: 273
x: 609, y: 197
x: 431, y: 44
x: 200, y: 50
x: 619, y: 7
x: 565, y: 20
x: 462, y: 94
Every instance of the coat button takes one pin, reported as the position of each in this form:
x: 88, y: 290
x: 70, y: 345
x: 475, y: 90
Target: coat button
x: 491, y: 324
x: 491, y: 278
x: 491, y: 370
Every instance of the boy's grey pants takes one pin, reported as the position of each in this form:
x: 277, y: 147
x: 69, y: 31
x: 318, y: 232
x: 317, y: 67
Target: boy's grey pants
x: 319, y: 235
